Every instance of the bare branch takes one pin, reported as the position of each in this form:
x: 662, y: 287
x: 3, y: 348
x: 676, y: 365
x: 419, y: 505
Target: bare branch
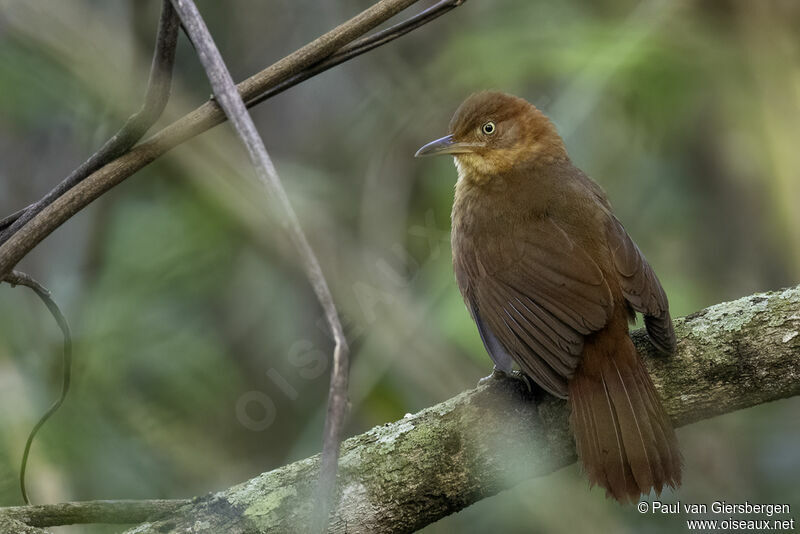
x: 8, y: 220
x: 17, y: 278
x: 155, y: 100
x: 203, y: 118
x: 402, y: 476
x: 356, y: 48
x: 92, y: 512
x: 228, y: 97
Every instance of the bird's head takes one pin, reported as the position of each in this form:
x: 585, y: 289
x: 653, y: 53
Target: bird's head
x: 492, y: 132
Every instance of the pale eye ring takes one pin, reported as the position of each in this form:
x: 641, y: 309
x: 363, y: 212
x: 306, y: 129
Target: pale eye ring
x: 489, y: 128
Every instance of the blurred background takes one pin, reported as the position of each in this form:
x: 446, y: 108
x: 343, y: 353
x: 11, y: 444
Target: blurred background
x: 201, y: 357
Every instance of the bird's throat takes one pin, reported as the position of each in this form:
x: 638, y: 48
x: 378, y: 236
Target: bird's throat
x: 472, y: 170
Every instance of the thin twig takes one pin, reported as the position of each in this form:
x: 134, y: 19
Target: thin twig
x: 228, y: 97
x: 92, y: 512
x: 17, y: 278
x: 360, y: 46
x: 155, y: 100
x: 194, y: 123
x: 8, y: 220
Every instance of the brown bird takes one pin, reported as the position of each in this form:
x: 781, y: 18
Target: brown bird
x: 552, y: 279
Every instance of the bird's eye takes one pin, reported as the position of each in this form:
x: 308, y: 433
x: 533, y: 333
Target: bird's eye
x: 489, y: 128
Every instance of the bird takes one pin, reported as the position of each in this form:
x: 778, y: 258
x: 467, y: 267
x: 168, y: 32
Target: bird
x: 552, y: 280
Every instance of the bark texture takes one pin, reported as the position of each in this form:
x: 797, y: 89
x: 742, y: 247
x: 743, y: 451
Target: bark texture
x: 89, y: 512
x: 404, y: 475
x: 12, y: 526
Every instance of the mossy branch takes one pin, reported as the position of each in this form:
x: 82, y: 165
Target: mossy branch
x: 9, y: 525
x: 404, y: 475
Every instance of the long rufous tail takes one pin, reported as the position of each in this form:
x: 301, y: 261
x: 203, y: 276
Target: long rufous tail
x: 623, y: 435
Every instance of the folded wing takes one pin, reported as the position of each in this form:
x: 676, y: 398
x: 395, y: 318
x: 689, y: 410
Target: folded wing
x: 641, y: 286
x: 534, y: 300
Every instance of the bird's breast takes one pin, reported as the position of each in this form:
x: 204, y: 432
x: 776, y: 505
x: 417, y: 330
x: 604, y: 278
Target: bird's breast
x: 492, y: 222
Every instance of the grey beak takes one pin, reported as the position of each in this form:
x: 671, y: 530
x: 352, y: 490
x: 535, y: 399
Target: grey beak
x: 445, y: 145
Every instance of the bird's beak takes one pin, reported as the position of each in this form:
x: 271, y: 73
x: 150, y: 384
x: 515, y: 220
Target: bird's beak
x: 445, y: 145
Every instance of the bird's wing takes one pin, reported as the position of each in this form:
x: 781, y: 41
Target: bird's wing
x: 535, y: 298
x: 640, y: 286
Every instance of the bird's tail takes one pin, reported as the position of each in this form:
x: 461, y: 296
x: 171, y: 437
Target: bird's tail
x: 623, y: 435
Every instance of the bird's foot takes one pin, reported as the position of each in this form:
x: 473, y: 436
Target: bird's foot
x: 498, y: 374
x: 519, y: 375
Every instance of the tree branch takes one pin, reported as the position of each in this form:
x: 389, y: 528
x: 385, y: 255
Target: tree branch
x: 155, y: 100
x: 9, y: 525
x: 236, y: 111
x: 360, y: 46
x: 8, y: 220
x: 89, y: 512
x: 402, y: 476
x: 16, y: 278
x: 298, y: 64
